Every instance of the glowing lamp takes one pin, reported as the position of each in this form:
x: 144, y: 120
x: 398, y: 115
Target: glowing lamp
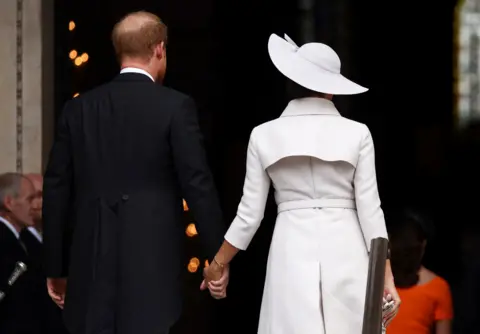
x: 192, y: 268
x: 73, y: 54
x: 84, y: 57
x: 191, y: 230
x: 193, y: 264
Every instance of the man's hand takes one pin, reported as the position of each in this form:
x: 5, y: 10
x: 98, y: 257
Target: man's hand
x: 56, y: 289
x: 216, y: 279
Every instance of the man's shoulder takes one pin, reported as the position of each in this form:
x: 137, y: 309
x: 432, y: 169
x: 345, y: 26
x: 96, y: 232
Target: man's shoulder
x: 171, y: 94
x: 88, y: 95
x: 8, y: 241
x: 163, y: 94
x: 5, y: 233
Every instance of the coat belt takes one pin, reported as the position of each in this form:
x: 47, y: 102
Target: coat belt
x: 318, y: 203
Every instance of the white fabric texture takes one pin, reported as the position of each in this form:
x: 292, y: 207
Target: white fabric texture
x: 318, y: 260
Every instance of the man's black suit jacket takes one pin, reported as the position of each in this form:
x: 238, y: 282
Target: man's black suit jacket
x: 124, y: 156
x: 50, y: 314
x: 19, y: 310
x: 34, y: 248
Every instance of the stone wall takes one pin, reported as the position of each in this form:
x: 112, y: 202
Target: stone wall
x: 26, y: 84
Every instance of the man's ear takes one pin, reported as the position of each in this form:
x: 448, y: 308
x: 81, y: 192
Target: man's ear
x: 163, y: 48
x: 159, y: 51
x: 8, y: 202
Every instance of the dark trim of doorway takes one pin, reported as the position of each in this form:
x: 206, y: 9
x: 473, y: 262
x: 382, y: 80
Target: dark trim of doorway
x: 19, y: 81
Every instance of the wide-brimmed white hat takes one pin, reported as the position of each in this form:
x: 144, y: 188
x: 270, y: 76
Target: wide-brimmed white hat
x: 314, y: 66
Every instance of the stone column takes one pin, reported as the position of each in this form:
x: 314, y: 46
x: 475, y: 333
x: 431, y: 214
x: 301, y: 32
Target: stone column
x: 26, y: 84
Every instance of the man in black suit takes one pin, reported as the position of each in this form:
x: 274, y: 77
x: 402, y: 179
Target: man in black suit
x: 124, y: 156
x: 32, y: 237
x: 19, y: 306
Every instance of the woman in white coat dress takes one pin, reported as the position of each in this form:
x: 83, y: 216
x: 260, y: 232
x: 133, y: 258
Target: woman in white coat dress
x: 322, y: 167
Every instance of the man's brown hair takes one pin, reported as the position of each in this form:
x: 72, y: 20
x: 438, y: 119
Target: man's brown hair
x: 136, y: 34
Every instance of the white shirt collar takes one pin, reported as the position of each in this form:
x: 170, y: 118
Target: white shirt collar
x: 136, y: 70
x: 35, y: 233
x: 10, y: 227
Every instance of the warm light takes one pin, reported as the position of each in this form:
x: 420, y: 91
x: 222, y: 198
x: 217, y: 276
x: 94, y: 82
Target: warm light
x: 185, y: 206
x: 85, y: 57
x: 78, y: 61
x: 193, y: 264
x: 76, y: 94
x: 192, y: 268
x: 191, y: 230
x: 73, y: 54
x: 206, y: 263
x: 71, y: 25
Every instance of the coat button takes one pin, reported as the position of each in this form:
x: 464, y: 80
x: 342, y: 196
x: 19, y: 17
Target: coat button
x: 125, y: 197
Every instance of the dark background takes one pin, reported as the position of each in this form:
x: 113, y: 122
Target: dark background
x: 217, y: 53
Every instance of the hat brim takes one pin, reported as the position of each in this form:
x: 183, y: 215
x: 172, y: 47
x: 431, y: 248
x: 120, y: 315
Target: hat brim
x: 286, y: 59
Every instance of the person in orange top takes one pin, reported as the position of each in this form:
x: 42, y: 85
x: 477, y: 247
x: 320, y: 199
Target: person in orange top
x: 426, y: 298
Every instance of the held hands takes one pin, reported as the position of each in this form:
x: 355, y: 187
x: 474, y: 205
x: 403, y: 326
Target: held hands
x: 56, y: 289
x: 216, y: 279
x: 390, y: 294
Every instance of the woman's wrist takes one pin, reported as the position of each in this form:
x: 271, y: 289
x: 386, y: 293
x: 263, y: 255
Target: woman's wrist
x: 217, y: 262
x: 214, y: 267
x: 388, y: 271
x: 220, y: 259
x: 214, y: 271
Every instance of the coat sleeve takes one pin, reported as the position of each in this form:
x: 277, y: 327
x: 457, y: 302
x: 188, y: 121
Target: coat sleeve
x: 367, y: 199
x: 252, y: 205
x: 196, y: 180
x: 57, y: 197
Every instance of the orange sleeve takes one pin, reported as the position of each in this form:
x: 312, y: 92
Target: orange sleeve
x: 444, y: 307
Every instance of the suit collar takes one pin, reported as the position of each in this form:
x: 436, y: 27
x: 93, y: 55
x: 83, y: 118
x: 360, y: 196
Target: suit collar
x: 132, y: 77
x: 10, y: 227
x: 34, y: 232
x: 138, y: 71
x: 310, y: 106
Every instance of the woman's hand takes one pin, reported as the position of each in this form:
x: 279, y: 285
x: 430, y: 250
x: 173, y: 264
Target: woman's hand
x: 217, y: 274
x: 390, y: 293
x: 216, y: 279
x: 213, y: 272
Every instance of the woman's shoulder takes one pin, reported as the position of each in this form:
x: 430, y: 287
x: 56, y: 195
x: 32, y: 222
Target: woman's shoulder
x: 307, y: 128
x: 328, y: 138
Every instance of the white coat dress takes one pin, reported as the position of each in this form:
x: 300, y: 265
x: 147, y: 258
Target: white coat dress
x: 322, y: 167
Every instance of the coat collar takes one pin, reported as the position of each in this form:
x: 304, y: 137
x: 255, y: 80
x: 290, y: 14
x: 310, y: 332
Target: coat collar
x: 310, y: 106
x: 10, y: 227
x: 136, y: 70
x: 129, y: 77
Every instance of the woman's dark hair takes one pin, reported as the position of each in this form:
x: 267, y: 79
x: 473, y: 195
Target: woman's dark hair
x: 407, y: 243
x: 295, y: 91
